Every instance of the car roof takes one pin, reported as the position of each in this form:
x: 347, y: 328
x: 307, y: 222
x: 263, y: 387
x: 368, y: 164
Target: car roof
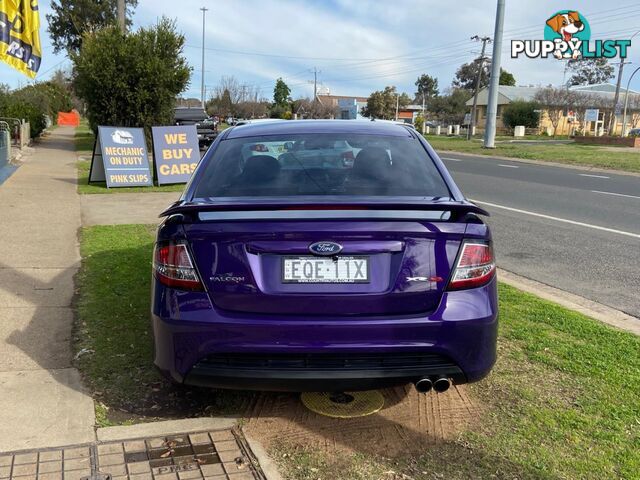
x: 289, y: 127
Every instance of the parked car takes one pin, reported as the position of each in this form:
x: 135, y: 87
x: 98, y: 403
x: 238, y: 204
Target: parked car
x: 634, y: 132
x: 296, y: 276
x: 206, y: 126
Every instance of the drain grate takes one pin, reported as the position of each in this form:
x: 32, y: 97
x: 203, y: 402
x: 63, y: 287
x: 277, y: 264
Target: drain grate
x: 220, y: 455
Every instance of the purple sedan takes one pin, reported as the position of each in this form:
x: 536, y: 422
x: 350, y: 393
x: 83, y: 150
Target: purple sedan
x: 323, y: 255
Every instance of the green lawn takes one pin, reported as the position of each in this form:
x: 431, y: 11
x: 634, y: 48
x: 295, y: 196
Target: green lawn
x: 562, y: 401
x: 571, y: 154
x: 84, y: 139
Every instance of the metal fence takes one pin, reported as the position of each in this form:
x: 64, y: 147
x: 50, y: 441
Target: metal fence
x: 19, y: 130
x: 5, y: 144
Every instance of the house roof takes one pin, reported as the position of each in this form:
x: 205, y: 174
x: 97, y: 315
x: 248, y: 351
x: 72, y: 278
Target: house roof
x: 507, y: 94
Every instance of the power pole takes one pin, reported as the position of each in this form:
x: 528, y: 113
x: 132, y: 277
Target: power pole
x: 472, y: 122
x: 492, y: 106
x: 397, y: 105
x: 616, y: 97
x: 315, y: 72
x: 204, y: 11
x: 122, y: 15
x: 424, y: 119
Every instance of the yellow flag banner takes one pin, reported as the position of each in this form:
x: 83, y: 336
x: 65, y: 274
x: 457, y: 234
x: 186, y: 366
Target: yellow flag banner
x: 20, y: 35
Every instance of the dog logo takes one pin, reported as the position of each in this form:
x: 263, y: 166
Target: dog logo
x: 567, y: 36
x: 566, y: 27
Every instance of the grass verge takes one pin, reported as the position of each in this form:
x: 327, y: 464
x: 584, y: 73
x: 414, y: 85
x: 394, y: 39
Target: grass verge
x: 84, y: 139
x: 570, y: 154
x: 561, y: 402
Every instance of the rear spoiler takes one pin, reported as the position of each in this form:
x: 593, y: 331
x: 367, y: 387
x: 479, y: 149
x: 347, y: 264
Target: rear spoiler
x: 458, y: 209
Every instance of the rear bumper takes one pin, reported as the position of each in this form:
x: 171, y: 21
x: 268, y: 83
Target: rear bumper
x: 196, y: 344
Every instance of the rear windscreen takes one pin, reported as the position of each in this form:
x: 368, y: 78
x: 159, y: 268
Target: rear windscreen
x: 321, y: 164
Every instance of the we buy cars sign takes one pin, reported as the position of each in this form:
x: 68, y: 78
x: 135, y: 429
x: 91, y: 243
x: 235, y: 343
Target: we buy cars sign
x: 176, y: 153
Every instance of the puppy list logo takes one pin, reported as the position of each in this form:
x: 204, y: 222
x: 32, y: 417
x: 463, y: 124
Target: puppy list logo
x: 567, y: 35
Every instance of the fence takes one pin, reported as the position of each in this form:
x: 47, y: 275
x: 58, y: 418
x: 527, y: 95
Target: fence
x: 5, y: 144
x: 20, y: 131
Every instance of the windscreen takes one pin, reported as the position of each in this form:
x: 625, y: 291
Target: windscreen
x: 321, y: 164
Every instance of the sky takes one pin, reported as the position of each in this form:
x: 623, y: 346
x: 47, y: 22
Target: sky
x: 358, y: 46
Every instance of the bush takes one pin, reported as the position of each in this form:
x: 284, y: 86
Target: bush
x: 521, y: 113
x: 33, y: 102
x: 131, y: 80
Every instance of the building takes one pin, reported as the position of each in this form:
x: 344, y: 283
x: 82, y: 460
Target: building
x: 349, y: 107
x: 601, y: 93
x: 409, y: 113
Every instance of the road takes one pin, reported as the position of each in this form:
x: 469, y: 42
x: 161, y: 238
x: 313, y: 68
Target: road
x: 577, y: 230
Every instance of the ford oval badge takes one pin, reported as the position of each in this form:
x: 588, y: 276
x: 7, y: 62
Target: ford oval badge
x: 325, y: 248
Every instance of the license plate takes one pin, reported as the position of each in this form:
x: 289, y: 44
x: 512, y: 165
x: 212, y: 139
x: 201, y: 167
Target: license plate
x: 325, y: 270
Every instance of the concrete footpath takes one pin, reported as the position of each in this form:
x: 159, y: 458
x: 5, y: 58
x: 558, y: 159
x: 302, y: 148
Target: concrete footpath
x: 42, y: 402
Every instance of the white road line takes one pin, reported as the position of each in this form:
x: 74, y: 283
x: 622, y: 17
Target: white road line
x: 593, y: 176
x: 451, y: 159
x: 557, y: 219
x: 616, y: 194
x: 507, y: 166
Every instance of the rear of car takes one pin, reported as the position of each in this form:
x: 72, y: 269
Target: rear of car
x: 323, y: 255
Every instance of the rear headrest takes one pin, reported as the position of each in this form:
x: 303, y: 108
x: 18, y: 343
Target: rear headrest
x: 372, y: 162
x: 261, y: 167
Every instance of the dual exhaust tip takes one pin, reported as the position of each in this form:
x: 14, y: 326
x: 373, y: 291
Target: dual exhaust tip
x: 438, y: 384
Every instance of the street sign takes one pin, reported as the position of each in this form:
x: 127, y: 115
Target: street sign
x: 467, y: 119
x: 120, y: 158
x: 618, y: 109
x: 176, y: 153
x: 591, y: 115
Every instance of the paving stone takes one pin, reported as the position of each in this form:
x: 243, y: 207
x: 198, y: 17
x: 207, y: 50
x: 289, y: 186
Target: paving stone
x: 76, y: 464
x: 79, y: 452
x: 115, y: 470
x: 111, y: 459
x: 135, y: 446
x: 22, y: 458
x: 190, y: 474
x: 138, y: 467
x: 5, y: 471
x: 156, y: 443
x: 50, y: 476
x: 213, y: 469
x: 50, y: 455
x: 26, y: 469
x: 77, y: 474
x: 166, y: 476
x: 25, y: 477
x: 50, y: 467
x: 199, y: 438
x: 230, y: 455
x: 109, y: 448
x: 241, y: 476
x: 141, y: 476
x: 6, y: 460
x: 221, y: 435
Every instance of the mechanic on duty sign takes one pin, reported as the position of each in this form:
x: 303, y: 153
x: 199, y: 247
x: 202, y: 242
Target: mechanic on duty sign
x: 125, y: 162
x: 175, y: 153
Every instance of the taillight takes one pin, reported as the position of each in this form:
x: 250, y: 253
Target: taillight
x: 475, y: 267
x: 174, y: 268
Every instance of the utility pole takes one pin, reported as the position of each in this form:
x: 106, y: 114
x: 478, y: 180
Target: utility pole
x: 424, y: 119
x: 397, y: 105
x: 492, y: 106
x: 122, y: 15
x: 616, y: 98
x: 204, y: 11
x: 315, y: 72
x: 472, y: 122
x: 626, y: 103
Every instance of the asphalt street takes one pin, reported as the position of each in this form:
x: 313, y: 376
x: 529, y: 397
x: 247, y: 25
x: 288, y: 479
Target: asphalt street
x: 577, y: 230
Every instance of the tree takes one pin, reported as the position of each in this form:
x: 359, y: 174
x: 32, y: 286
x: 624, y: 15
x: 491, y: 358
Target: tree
x: 281, y: 93
x: 589, y: 71
x: 467, y: 74
x: 554, y: 101
x: 71, y: 19
x: 131, y: 80
x: 451, y: 107
x: 521, y: 113
x: 427, y: 86
x: 382, y: 104
x: 307, y: 108
x: 506, y: 78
